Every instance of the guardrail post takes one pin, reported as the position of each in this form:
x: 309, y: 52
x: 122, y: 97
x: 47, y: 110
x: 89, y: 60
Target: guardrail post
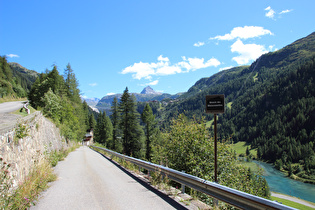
x: 183, y: 186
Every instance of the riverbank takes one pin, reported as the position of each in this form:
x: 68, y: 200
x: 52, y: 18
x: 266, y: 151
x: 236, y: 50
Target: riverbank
x: 292, y: 199
x: 280, y: 183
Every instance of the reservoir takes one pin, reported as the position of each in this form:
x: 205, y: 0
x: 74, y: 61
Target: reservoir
x: 278, y: 182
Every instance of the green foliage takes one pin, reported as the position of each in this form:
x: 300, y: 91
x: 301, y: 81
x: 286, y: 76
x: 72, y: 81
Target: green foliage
x: 52, y: 105
x: 187, y: 147
x: 20, y: 132
x: 13, y: 83
x: 104, y: 130
x: 59, y: 100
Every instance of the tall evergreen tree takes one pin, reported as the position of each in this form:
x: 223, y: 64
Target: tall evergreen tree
x: 149, y: 120
x: 56, y: 82
x: 103, y: 129
x: 92, y: 122
x: 72, y: 84
x: 130, y: 125
x: 115, y: 123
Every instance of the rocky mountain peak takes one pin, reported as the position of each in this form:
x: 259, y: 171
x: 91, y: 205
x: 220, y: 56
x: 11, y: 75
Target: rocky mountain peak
x: 149, y: 90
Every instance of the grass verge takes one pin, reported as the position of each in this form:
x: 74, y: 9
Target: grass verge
x: 37, y: 181
x: 10, y: 98
x: 291, y: 203
x: 22, y: 111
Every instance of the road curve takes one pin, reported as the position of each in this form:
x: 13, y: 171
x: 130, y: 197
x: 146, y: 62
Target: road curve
x: 87, y: 180
x: 8, y: 107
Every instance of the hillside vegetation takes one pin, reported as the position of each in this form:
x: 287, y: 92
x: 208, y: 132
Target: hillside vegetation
x: 269, y: 104
x: 59, y: 99
x: 15, y: 80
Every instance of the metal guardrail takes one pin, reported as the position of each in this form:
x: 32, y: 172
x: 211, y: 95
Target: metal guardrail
x: 228, y: 195
x: 11, y: 125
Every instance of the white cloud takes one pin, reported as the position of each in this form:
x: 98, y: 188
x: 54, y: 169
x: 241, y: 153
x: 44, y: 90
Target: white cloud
x: 225, y: 68
x: 286, y: 11
x: 155, y: 82
x: 82, y: 96
x: 12, y: 56
x: 160, y: 58
x: 164, y: 67
x: 198, y: 63
x: 168, y: 70
x: 270, y: 13
x: 109, y: 94
x: 199, y: 44
x: 271, y: 47
x: 140, y: 70
x: 247, y: 52
x: 245, y: 32
x: 93, y: 84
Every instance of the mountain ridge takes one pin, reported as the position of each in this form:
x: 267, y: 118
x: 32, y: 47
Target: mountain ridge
x: 149, y: 90
x: 147, y: 94
x: 269, y: 104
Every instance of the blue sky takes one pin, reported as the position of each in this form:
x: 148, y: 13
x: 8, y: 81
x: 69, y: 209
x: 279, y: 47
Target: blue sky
x: 167, y: 44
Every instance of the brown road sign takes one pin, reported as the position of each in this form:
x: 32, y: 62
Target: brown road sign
x: 215, y: 104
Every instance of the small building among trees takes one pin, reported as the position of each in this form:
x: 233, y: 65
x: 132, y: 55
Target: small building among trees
x: 88, y: 138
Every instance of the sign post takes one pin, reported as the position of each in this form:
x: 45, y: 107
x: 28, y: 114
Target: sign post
x: 215, y: 105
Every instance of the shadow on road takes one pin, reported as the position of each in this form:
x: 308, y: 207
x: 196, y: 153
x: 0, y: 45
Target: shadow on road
x: 166, y: 198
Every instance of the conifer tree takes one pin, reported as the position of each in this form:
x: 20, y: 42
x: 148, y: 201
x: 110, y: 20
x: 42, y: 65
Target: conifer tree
x: 130, y: 125
x: 92, y: 122
x: 115, y: 123
x: 56, y: 82
x: 149, y: 120
x: 103, y: 130
x: 72, y: 84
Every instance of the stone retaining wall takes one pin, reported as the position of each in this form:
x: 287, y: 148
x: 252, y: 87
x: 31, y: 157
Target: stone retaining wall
x: 42, y: 136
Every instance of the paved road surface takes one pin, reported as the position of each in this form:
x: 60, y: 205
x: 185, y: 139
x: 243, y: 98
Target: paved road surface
x: 87, y: 180
x: 8, y: 107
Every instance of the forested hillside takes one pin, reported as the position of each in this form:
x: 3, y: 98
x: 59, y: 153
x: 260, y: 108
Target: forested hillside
x: 59, y: 98
x: 270, y: 105
x: 15, y: 80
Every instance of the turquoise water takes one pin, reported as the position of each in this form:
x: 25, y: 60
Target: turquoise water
x: 278, y: 182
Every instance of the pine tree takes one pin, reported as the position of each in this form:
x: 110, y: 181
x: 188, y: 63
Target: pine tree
x: 149, y: 120
x: 72, y: 84
x: 115, y: 123
x: 92, y: 122
x: 98, y: 128
x: 103, y: 129
x: 56, y: 82
x: 130, y: 126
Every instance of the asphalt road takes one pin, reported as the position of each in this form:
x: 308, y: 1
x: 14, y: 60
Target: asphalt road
x: 8, y: 107
x: 87, y: 180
